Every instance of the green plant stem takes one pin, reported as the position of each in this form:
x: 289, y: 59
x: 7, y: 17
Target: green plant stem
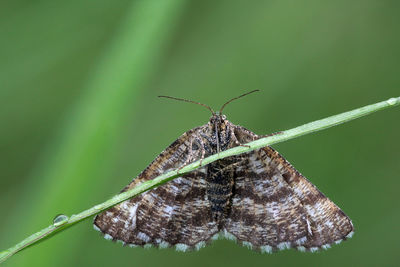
x: 282, y: 136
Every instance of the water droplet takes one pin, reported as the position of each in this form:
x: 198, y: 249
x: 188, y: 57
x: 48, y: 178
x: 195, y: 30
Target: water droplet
x: 60, y: 219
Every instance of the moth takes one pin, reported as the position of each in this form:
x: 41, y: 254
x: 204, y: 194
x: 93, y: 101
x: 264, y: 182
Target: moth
x: 257, y: 198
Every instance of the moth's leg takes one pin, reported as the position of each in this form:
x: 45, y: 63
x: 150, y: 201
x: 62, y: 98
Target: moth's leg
x: 233, y: 137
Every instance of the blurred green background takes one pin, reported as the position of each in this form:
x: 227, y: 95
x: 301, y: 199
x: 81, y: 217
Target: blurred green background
x: 80, y: 117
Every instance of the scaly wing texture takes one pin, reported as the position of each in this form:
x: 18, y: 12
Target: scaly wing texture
x: 174, y: 214
x: 265, y: 213
x: 272, y: 207
x: 275, y: 207
x: 328, y: 223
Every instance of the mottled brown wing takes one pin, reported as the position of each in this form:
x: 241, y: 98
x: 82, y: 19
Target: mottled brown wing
x: 328, y: 223
x: 174, y: 214
x: 275, y: 207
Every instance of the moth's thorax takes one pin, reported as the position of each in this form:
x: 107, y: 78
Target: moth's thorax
x: 218, y: 133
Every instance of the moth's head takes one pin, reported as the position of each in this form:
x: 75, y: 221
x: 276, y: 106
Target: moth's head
x: 217, y: 118
x: 217, y: 123
x: 218, y: 132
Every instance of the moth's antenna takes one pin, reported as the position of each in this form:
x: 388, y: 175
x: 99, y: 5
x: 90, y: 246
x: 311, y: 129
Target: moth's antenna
x: 223, y: 106
x: 190, y: 101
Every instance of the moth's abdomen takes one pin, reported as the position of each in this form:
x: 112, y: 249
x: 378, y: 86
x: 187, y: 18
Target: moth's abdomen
x: 219, y: 190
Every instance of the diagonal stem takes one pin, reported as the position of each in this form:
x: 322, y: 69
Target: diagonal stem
x: 65, y: 222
